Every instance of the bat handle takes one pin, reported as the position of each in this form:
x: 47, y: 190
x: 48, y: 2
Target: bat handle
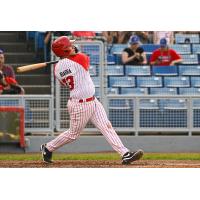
x: 51, y: 62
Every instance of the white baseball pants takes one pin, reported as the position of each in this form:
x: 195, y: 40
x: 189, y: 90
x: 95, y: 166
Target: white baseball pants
x: 80, y: 114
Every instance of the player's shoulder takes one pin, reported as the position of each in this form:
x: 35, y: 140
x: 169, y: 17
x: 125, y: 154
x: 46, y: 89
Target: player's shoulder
x: 81, y: 55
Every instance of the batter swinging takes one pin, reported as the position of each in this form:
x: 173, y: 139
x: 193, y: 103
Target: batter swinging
x: 73, y: 71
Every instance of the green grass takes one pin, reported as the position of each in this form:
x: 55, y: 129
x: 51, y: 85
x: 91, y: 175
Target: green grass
x: 100, y: 156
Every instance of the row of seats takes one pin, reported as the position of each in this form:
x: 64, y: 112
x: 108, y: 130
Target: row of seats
x: 180, y: 38
x: 153, y: 81
x: 149, y: 48
x: 154, y: 91
x: 146, y: 70
x: 153, y: 104
x: 150, y: 91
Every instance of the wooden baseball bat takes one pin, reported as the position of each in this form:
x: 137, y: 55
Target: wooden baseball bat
x: 34, y: 66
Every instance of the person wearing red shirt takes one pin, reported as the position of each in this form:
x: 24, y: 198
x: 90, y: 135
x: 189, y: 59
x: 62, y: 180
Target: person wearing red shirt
x: 84, y: 34
x: 164, y: 56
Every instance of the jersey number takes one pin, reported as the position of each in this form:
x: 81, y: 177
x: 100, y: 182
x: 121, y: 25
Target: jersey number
x: 69, y: 80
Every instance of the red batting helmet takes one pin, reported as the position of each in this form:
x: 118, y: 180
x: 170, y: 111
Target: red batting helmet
x: 60, y: 46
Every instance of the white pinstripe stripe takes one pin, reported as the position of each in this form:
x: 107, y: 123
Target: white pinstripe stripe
x: 81, y: 113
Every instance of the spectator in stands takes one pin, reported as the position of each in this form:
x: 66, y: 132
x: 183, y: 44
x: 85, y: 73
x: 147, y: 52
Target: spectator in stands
x: 7, y: 70
x: 9, y: 85
x: 85, y: 34
x: 168, y: 35
x: 123, y: 37
x: 144, y: 36
x: 117, y: 37
x: 134, y: 55
x: 164, y: 56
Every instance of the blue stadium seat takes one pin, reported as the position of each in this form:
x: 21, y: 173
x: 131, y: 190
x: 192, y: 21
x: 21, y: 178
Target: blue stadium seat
x: 189, y: 70
x: 189, y: 91
x: 196, y: 103
x: 96, y: 81
x: 163, y: 91
x: 189, y: 59
x: 121, y: 81
x: 142, y: 70
x: 91, y: 49
x: 176, y: 81
x: 195, y: 81
x: 112, y: 90
x: 121, y: 113
x: 115, y: 70
x: 196, y: 48
x: 9, y: 102
x: 118, y: 48
x: 149, y: 104
x: 109, y: 91
x: 93, y: 70
x: 94, y: 59
x: 164, y: 70
x: 149, y: 81
x: 173, y: 104
x: 180, y: 38
x: 111, y: 59
x: 149, y: 48
x: 119, y: 104
x: 181, y: 48
x: 134, y: 91
x: 97, y: 92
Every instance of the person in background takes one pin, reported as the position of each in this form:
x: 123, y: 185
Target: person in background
x: 86, y: 34
x: 144, y: 36
x: 9, y: 85
x: 168, y: 35
x: 164, y: 55
x: 7, y: 70
x: 134, y: 55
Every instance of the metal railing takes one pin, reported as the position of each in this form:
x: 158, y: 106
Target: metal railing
x: 129, y: 113
x: 38, y: 111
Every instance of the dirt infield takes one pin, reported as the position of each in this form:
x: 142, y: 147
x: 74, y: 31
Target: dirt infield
x: 102, y: 164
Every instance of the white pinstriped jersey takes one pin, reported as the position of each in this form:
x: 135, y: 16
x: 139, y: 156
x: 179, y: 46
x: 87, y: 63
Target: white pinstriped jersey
x: 73, y: 72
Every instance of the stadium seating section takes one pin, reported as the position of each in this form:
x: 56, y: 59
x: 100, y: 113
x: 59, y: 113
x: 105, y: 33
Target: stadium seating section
x: 182, y: 79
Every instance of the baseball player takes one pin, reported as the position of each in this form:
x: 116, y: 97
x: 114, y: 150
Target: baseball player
x: 72, y: 70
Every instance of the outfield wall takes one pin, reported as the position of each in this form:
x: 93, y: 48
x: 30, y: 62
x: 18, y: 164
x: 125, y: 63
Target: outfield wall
x: 147, y: 143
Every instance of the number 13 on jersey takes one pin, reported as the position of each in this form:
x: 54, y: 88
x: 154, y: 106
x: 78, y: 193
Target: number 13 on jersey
x: 69, y: 80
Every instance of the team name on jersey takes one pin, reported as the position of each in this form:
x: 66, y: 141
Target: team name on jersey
x: 67, y: 71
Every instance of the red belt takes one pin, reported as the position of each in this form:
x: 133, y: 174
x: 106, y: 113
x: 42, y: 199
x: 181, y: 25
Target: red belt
x: 85, y: 100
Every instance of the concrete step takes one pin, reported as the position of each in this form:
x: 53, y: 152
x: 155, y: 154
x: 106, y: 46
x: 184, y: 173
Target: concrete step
x: 16, y: 47
x: 13, y: 36
x: 34, y: 89
x: 22, y: 57
x: 34, y: 79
